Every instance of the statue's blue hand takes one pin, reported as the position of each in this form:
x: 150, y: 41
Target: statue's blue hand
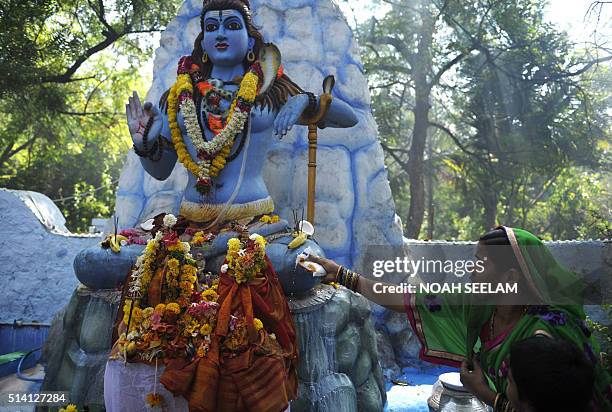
x: 138, y: 117
x: 156, y: 128
x: 290, y: 114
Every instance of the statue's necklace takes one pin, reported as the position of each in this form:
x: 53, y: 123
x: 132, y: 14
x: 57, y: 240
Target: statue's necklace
x: 210, y: 104
x: 212, y: 154
x: 212, y: 100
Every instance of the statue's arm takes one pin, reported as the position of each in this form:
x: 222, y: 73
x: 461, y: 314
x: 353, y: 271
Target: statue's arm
x: 157, y: 156
x: 339, y: 114
x: 162, y: 168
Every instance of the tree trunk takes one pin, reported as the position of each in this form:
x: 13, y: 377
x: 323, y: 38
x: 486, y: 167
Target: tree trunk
x: 490, y: 209
x: 430, y: 193
x: 421, y: 69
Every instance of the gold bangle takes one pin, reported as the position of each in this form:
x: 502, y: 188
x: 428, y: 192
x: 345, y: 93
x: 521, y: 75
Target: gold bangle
x: 338, y: 273
x: 496, y: 401
x: 355, y: 281
x: 346, y: 281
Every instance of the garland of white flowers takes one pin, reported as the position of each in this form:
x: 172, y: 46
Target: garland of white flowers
x: 218, y: 149
x: 224, y: 138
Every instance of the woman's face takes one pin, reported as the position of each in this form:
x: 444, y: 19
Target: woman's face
x: 226, y: 40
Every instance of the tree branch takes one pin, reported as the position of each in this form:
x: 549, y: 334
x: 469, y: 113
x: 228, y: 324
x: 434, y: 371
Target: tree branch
x: 447, y: 67
x: 67, y: 75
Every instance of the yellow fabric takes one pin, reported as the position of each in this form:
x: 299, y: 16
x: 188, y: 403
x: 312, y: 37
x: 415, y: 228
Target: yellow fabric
x: 206, y: 212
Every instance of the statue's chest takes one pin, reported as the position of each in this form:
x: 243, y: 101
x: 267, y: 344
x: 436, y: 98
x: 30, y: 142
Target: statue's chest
x: 261, y: 119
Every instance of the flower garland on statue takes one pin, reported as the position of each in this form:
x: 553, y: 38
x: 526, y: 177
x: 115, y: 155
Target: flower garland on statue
x: 159, y: 331
x: 245, y: 259
x: 183, y: 324
x: 212, y: 154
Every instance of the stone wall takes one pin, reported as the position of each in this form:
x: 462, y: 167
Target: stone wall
x: 36, y: 254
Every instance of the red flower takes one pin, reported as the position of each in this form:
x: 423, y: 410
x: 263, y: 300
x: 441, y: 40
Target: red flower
x: 184, y: 65
x: 170, y: 239
x: 202, y: 155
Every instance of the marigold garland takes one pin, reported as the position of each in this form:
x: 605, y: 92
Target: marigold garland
x: 213, y: 154
x: 246, y: 259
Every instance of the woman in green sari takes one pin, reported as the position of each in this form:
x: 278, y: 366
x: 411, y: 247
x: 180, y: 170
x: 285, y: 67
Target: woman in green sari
x: 452, y: 328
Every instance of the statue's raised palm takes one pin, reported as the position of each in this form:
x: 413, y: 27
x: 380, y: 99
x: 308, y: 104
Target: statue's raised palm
x: 138, y: 117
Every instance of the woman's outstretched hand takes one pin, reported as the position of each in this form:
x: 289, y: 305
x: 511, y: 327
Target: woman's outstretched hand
x: 138, y: 117
x: 329, y: 265
x: 290, y: 114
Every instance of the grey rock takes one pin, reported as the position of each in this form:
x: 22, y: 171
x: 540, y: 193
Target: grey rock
x: 313, y: 363
x: 395, y: 322
x: 360, y: 308
x: 360, y: 372
x: 386, y: 356
x: 36, y: 254
x: 338, y: 309
x: 369, y: 398
x: 347, y: 348
x: 333, y: 393
x: 406, y: 346
x: 95, y: 335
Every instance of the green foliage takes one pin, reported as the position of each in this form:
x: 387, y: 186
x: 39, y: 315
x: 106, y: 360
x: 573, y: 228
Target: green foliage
x: 66, y: 69
x: 603, y: 332
x: 520, y: 119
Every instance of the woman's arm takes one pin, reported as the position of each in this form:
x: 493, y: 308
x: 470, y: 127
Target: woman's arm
x: 474, y: 381
x: 377, y: 292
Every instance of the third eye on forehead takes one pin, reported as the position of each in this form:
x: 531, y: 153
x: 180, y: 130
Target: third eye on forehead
x: 221, y: 15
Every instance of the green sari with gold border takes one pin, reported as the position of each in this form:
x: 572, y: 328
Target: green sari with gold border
x: 450, y: 327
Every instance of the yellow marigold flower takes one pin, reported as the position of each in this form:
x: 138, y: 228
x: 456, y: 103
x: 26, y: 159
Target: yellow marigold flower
x: 206, y: 329
x: 176, y: 248
x: 186, y: 287
x: 260, y: 240
x: 265, y: 219
x: 160, y: 308
x: 70, y: 408
x: 234, y: 244
x: 258, y: 324
x: 248, y: 87
x: 210, y: 295
x: 151, y: 245
x: 173, y: 264
x: 173, y: 307
x: 155, y: 399
x: 201, y: 352
x: 198, y: 238
x: 136, y: 317
x: 147, y: 312
x: 188, y: 270
x: 275, y: 219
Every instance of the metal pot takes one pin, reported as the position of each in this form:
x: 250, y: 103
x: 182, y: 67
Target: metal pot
x: 449, y: 395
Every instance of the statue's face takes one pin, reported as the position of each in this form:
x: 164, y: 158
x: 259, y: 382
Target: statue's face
x: 226, y: 39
